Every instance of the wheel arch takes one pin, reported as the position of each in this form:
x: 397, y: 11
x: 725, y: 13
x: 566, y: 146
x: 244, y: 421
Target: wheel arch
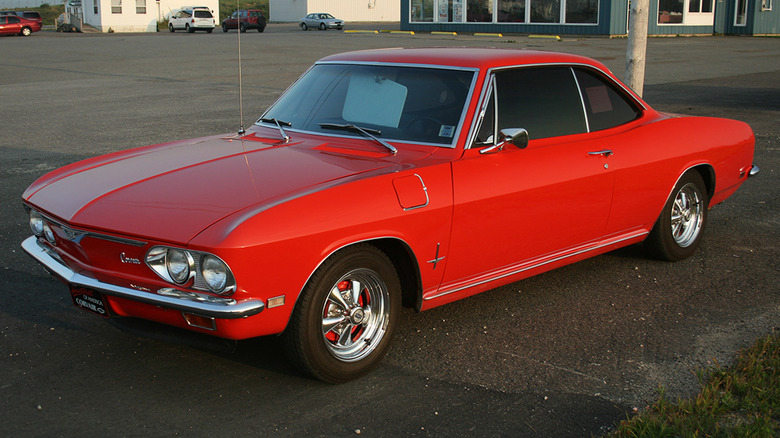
x: 707, y: 173
x: 404, y: 262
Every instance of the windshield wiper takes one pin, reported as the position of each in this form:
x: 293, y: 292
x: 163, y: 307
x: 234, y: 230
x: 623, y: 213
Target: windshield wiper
x: 370, y: 133
x: 279, y: 124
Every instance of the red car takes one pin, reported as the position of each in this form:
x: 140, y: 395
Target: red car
x: 244, y: 19
x: 381, y: 179
x: 15, y: 25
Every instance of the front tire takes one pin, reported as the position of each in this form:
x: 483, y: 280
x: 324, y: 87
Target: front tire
x: 170, y: 28
x: 322, y: 26
x: 304, y: 27
x: 679, y: 229
x: 241, y: 27
x: 344, y: 320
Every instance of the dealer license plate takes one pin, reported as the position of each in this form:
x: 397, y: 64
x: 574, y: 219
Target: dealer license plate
x: 89, y: 300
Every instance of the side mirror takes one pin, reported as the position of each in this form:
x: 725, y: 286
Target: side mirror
x: 514, y: 136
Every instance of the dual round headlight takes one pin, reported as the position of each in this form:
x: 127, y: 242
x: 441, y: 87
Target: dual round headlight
x: 40, y: 227
x: 196, y: 269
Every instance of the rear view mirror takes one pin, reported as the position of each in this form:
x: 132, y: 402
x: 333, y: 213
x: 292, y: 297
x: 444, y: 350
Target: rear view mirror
x: 514, y: 136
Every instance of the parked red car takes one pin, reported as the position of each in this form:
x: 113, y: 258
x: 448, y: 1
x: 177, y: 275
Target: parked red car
x: 15, y: 25
x: 245, y: 19
x: 381, y: 179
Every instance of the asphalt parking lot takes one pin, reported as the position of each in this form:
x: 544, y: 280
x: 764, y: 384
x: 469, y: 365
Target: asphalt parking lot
x: 566, y: 353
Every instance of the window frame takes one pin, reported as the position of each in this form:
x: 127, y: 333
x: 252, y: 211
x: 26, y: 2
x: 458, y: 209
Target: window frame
x: 489, y: 90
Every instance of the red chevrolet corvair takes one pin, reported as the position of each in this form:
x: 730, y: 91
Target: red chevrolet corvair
x: 383, y: 178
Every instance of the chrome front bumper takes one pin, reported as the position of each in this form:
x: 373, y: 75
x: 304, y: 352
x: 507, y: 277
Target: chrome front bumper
x: 169, y: 298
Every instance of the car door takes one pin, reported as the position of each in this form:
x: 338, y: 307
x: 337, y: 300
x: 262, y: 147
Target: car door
x: 514, y: 208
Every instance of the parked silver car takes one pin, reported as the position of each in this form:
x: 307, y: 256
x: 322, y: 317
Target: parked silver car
x: 321, y: 21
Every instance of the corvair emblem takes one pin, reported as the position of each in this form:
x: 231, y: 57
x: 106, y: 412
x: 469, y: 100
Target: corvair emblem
x: 125, y: 259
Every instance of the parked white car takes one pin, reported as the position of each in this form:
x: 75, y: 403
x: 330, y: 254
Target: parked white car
x: 192, y: 19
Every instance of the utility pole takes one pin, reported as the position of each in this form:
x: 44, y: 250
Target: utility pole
x: 637, y: 45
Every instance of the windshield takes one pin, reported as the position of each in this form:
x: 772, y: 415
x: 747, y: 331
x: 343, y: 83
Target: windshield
x: 399, y: 103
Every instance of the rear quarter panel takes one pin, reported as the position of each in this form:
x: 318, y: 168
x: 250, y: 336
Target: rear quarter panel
x: 652, y: 157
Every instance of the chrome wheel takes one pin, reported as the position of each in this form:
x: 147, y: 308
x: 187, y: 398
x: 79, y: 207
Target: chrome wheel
x: 680, y: 226
x: 687, y: 216
x: 343, y: 322
x: 354, y: 315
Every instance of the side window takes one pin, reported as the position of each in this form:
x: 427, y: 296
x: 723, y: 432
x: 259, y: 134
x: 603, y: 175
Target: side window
x: 543, y: 100
x: 606, y: 105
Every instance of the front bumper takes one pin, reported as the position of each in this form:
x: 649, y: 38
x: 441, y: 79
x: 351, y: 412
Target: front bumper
x: 167, y: 298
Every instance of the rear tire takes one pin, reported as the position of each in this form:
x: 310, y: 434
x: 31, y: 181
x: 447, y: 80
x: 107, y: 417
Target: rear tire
x: 344, y: 320
x: 188, y: 28
x: 26, y: 31
x: 679, y: 229
x: 322, y: 26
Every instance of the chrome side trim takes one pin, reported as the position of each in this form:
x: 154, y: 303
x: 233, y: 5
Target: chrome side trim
x: 536, y: 265
x: 185, y: 301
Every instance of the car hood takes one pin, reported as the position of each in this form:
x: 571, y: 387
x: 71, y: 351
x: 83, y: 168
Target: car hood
x: 174, y: 191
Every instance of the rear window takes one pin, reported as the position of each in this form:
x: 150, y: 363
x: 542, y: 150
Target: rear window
x: 34, y: 15
x: 255, y: 14
x: 203, y: 14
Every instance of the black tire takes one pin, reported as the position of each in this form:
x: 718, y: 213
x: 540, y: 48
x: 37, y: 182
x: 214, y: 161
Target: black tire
x: 26, y: 31
x: 170, y: 28
x: 322, y: 26
x: 304, y: 27
x: 209, y: 30
x: 224, y: 27
x: 261, y: 29
x: 679, y: 229
x: 357, y: 291
x: 188, y: 28
x: 241, y: 27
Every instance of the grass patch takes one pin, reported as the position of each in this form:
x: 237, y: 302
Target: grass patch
x: 741, y: 401
x: 227, y: 7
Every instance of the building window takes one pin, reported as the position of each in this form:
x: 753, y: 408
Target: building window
x: 582, y: 11
x: 140, y: 7
x: 766, y: 5
x: 116, y: 6
x: 506, y: 11
x: 511, y: 11
x: 545, y: 11
x: 95, y: 6
x: 422, y: 10
x: 740, y: 18
x: 670, y: 11
x: 480, y: 11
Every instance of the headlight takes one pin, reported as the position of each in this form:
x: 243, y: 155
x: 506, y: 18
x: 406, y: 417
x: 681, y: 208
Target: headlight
x: 179, y: 265
x: 215, y: 273
x: 48, y: 233
x: 193, y: 269
x: 36, y: 223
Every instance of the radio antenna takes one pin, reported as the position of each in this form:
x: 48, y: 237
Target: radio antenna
x: 241, y: 130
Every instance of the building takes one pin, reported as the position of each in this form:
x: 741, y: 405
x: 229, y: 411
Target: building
x: 129, y: 15
x: 347, y: 10
x: 590, y: 17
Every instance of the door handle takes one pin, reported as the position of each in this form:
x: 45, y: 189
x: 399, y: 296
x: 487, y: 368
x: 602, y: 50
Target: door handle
x: 604, y: 152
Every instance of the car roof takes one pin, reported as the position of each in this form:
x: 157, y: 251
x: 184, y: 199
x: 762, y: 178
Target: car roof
x: 481, y: 58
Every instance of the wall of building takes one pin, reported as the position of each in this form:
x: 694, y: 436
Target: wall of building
x: 347, y: 10
x: 131, y: 20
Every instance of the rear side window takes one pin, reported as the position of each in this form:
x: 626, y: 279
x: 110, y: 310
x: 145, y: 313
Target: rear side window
x: 605, y: 104
x: 545, y: 101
